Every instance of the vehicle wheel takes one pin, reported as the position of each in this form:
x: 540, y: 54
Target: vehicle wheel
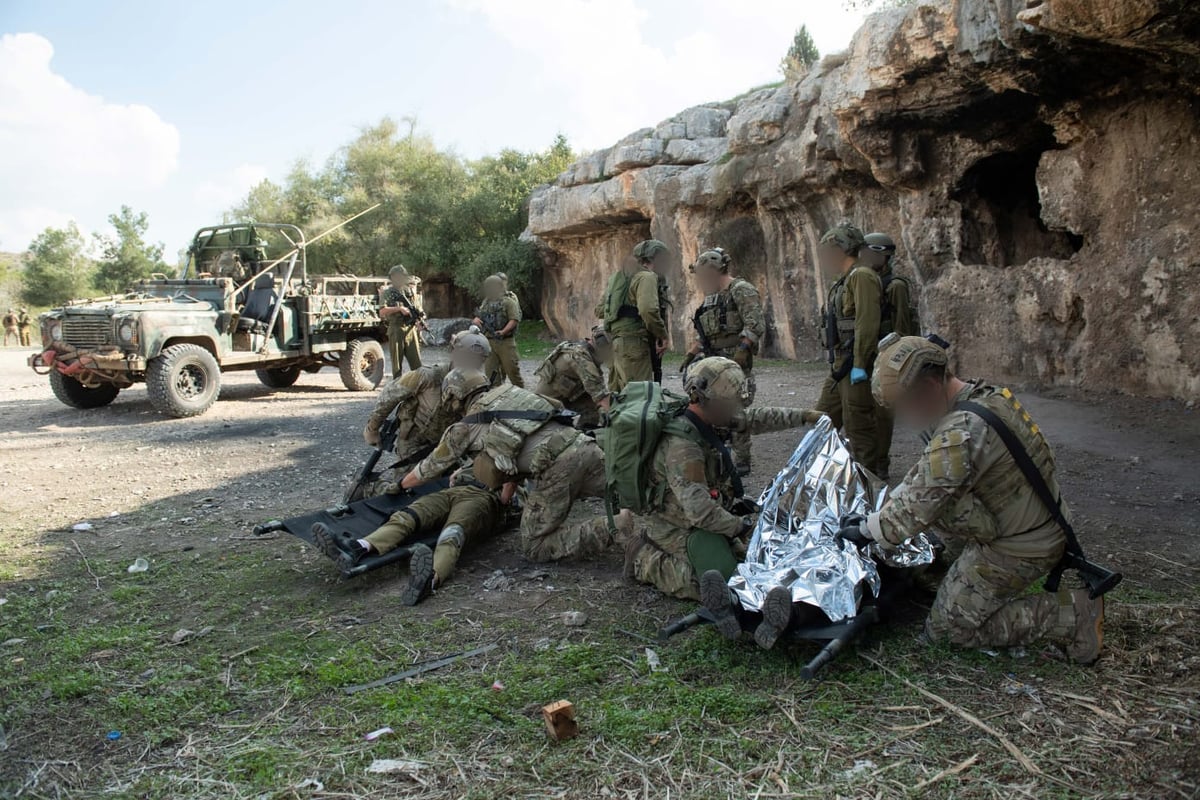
x: 73, y: 393
x: 362, y: 365
x: 183, y: 381
x: 279, y: 378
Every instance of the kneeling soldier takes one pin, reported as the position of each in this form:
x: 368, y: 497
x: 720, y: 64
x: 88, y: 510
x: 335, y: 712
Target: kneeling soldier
x: 573, y: 374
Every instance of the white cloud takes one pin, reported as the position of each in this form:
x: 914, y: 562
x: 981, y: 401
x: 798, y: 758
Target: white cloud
x: 218, y: 193
x: 61, y: 145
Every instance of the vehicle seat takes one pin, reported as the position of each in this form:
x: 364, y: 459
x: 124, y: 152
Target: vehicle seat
x: 259, y: 305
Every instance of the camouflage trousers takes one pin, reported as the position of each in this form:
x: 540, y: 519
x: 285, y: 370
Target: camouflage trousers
x: 477, y: 511
x: 577, y: 472
x: 26, y: 338
x: 657, y: 553
x: 851, y: 408
x: 630, y: 361
x: 982, y: 602
x: 404, y: 344
x: 504, y: 362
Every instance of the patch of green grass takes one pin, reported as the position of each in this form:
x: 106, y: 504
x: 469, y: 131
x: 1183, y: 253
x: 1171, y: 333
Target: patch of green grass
x: 534, y: 340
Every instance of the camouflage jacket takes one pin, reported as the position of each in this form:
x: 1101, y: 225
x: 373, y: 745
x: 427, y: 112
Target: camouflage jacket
x: 699, y: 489
x: 571, y: 372
x: 530, y: 445
x: 395, y: 298
x: 498, y: 313
x: 416, y: 397
x: 855, y: 302
x: 967, y: 485
x: 632, y: 305
x: 728, y: 316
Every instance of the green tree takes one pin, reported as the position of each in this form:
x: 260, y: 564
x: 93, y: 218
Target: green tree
x: 57, y: 267
x: 125, y: 257
x: 800, y: 56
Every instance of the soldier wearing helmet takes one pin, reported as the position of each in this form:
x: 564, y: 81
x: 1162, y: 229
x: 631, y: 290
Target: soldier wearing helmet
x: 968, y: 488
x: 400, y: 307
x: 25, y: 326
x: 729, y: 323
x: 704, y: 518
x: 10, y: 327
x: 632, y: 311
x: 897, y: 314
x: 851, y: 328
x: 513, y: 435
x: 573, y: 375
x: 498, y: 317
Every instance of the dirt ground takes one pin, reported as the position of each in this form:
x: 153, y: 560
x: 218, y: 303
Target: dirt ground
x: 88, y: 647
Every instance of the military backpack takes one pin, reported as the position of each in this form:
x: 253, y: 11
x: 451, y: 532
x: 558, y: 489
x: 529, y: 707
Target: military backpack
x: 637, y: 420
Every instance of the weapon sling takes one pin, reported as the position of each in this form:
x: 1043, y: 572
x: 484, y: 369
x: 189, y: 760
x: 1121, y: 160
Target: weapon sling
x: 1099, y: 579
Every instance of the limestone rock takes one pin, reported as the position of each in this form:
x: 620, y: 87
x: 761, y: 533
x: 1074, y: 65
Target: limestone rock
x: 759, y: 122
x: 705, y: 122
x: 696, y: 151
x: 642, y: 153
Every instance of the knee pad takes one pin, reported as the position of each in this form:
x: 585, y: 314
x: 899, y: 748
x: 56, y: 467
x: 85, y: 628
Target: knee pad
x: 452, y: 535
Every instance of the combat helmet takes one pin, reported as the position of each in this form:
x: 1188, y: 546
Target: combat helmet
x: 879, y: 249
x: 493, y: 287
x: 469, y: 349
x: 715, y: 379
x: 900, y: 362
x: 460, y: 385
x: 845, y: 237
x: 716, y: 259
x: 648, y: 250
x: 398, y: 270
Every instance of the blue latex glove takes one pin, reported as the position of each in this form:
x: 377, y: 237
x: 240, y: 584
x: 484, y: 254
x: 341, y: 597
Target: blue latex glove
x: 858, y: 375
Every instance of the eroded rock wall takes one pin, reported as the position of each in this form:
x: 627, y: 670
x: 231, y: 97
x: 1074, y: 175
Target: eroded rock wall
x: 1040, y: 168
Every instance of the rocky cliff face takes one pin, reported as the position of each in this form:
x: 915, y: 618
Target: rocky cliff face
x: 1039, y: 167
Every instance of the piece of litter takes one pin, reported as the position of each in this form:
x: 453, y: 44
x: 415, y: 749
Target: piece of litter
x: 138, y: 565
x: 375, y: 734
x: 859, y: 768
x: 310, y: 783
x: 83, y: 527
x: 386, y: 765
x: 112, y: 514
x: 653, y: 660
x: 574, y: 619
x: 497, y: 686
x: 181, y: 634
x: 113, y: 736
x: 560, y: 720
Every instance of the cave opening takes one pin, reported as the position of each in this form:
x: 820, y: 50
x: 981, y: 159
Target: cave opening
x: 1001, y: 213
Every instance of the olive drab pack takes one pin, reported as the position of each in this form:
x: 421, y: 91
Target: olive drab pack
x: 637, y: 420
x: 616, y: 299
x: 887, y: 314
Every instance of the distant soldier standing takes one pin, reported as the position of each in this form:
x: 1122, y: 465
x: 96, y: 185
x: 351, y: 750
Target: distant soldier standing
x: 573, y: 374
x: 729, y: 323
x: 25, y: 325
x: 633, y: 316
x: 851, y: 317
x: 400, y: 308
x: 896, y: 316
x: 498, y: 316
x: 10, y: 327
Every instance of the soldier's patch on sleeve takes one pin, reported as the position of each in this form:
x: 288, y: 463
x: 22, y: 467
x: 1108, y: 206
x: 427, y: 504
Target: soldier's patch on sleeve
x: 948, y: 458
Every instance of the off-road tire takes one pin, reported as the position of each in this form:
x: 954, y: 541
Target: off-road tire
x: 74, y: 394
x: 183, y: 381
x: 362, y: 365
x: 278, y: 377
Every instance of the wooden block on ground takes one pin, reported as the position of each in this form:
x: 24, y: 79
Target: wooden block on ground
x: 560, y: 720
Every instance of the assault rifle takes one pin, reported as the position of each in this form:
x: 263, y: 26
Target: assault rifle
x: 386, y: 443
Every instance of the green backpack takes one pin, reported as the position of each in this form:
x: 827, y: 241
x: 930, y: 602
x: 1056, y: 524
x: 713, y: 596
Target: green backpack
x: 637, y: 419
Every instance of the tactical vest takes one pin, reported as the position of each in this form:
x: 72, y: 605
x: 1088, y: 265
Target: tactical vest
x: 564, y: 383
x: 504, y: 439
x: 718, y: 320
x: 494, y: 316
x: 396, y: 298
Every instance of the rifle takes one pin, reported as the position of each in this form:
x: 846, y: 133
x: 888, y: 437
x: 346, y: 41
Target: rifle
x: 387, y: 443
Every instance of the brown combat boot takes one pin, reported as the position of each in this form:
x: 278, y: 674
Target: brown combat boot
x: 718, y: 600
x: 420, y: 581
x: 777, y: 615
x: 1089, y: 628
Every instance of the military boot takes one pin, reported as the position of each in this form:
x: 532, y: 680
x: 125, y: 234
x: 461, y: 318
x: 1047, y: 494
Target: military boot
x: 421, y: 576
x: 718, y: 600
x: 777, y: 615
x: 1085, y: 647
x: 343, y: 549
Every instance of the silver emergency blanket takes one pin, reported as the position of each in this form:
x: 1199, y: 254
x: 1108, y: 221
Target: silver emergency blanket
x: 793, y: 544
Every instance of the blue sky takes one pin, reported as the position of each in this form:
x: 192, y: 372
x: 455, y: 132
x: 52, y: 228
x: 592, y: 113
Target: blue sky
x: 178, y: 108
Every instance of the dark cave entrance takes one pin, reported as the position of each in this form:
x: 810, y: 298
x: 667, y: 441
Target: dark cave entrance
x: 1001, y: 214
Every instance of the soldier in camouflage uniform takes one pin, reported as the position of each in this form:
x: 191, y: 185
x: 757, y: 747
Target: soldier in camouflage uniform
x: 25, y: 326
x: 728, y: 323
x: 10, y: 327
x: 967, y: 487
x: 633, y: 316
x: 704, y: 519
x: 851, y: 315
x: 573, y: 375
x: 498, y: 316
x: 463, y: 515
x: 896, y: 316
x: 400, y: 308
x: 512, y: 436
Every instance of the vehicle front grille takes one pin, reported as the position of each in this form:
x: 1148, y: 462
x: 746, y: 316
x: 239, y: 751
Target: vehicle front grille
x: 86, y: 331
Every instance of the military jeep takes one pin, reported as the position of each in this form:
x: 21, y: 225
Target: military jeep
x: 230, y: 309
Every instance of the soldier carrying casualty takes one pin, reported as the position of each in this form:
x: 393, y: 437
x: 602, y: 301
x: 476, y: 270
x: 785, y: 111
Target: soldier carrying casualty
x: 851, y: 332
x: 897, y: 314
x: 10, y: 327
x: 25, y: 325
x: 729, y: 323
x: 986, y: 484
x: 464, y: 515
x: 693, y: 513
x: 633, y: 317
x: 400, y: 308
x: 498, y: 316
x: 573, y: 374
x: 514, y: 435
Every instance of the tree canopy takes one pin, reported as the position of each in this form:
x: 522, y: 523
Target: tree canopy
x: 57, y: 267
x: 126, y: 258
x: 801, y: 55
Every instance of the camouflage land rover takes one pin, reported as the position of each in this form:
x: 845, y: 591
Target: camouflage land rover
x: 230, y: 308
